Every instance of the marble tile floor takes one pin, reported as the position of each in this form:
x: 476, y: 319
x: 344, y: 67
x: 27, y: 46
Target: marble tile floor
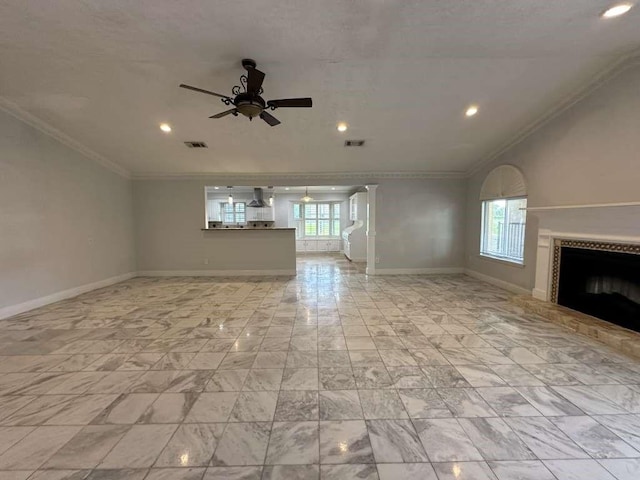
x: 329, y: 375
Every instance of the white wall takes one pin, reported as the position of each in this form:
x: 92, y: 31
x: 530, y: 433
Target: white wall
x: 420, y: 224
x: 65, y: 221
x: 169, y: 215
x: 589, y: 154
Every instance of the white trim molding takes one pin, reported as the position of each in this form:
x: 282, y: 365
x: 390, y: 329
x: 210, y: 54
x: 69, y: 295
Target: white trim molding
x: 283, y: 178
x: 371, y: 229
x: 601, y: 78
x: 216, y: 273
x: 12, y: 310
x: 17, y: 112
x: 593, y: 205
x: 420, y: 271
x: 511, y: 287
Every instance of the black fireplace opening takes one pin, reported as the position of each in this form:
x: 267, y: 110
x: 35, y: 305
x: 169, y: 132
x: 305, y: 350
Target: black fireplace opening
x: 601, y: 283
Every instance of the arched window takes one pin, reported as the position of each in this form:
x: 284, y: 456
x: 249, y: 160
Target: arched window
x: 504, y: 202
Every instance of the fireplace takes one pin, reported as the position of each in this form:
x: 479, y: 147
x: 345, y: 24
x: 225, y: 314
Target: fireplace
x: 598, y: 278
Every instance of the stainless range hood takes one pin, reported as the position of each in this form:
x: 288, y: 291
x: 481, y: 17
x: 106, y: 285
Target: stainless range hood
x: 258, y: 199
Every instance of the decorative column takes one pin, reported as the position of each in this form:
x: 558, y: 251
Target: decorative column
x: 371, y: 229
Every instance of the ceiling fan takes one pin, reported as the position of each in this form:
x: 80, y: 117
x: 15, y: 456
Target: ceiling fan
x: 247, y: 99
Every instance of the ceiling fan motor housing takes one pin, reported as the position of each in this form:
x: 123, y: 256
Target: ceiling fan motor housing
x: 248, y: 63
x: 249, y: 105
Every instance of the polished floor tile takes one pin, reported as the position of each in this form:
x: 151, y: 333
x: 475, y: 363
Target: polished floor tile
x: 464, y: 471
x: 406, y: 471
x: 395, y: 441
x: 340, y: 405
x: 329, y: 375
x: 444, y: 440
x: 345, y: 441
x: 294, y: 443
x: 521, y: 470
x: 139, y: 447
x: 242, y: 444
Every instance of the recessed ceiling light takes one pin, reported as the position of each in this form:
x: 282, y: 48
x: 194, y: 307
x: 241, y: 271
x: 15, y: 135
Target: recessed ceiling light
x: 333, y: 188
x: 286, y: 188
x: 342, y: 127
x: 617, y: 10
x: 165, y: 127
x: 471, y: 111
x: 216, y: 188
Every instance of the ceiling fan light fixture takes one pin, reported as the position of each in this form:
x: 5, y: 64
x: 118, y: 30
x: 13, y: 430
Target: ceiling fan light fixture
x: 617, y: 10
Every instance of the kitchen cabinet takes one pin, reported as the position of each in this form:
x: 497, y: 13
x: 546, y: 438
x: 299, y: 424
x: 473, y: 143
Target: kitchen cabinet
x: 318, y: 245
x: 358, y: 206
x: 334, y: 245
x: 353, y: 208
x: 354, y: 236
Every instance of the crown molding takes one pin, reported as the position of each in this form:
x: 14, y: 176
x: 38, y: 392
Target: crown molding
x: 19, y: 113
x: 362, y: 177
x: 607, y: 74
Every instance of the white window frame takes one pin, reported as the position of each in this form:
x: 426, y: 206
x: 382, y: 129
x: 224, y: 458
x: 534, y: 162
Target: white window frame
x: 300, y: 223
x: 235, y: 213
x: 511, y: 240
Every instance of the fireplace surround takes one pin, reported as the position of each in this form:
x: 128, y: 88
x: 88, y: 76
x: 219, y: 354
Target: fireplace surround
x: 598, y: 278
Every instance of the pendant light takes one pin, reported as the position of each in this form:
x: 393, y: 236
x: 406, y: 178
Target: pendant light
x: 230, y: 200
x: 271, y: 196
x: 306, y: 198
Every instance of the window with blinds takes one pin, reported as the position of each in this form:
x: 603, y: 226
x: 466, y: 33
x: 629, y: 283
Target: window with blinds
x: 503, y: 227
x: 235, y: 213
x: 317, y: 219
x: 504, y: 215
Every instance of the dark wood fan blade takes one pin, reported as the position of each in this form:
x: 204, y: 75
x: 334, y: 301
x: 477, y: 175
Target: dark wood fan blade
x: 223, y: 114
x: 270, y: 119
x: 290, y: 102
x: 254, y: 80
x: 196, y: 89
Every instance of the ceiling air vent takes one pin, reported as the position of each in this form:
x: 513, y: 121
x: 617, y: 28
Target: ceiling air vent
x: 353, y: 143
x: 196, y: 144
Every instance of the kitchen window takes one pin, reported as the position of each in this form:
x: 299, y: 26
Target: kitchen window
x: 235, y: 213
x: 318, y: 219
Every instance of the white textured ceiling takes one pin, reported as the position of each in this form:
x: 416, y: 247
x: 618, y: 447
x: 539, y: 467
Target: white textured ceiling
x: 399, y: 72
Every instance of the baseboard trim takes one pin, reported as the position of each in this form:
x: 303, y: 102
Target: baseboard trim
x: 12, y: 310
x: 497, y: 282
x: 539, y: 294
x: 418, y: 271
x: 215, y: 273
